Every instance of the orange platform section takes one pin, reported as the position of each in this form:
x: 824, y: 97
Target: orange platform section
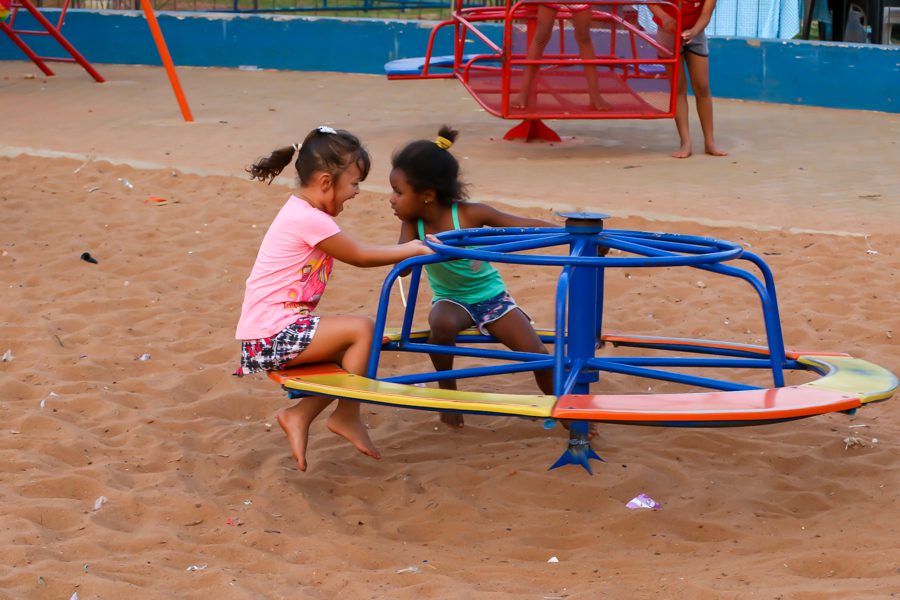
x: 748, y: 405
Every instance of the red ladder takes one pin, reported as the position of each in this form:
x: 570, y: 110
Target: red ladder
x: 49, y: 29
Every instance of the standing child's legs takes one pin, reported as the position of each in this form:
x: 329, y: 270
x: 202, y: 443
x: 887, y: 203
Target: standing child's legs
x: 699, y: 70
x: 682, y: 121
x: 666, y: 39
x: 546, y: 18
x: 346, y: 340
x: 446, y: 320
x: 581, y: 22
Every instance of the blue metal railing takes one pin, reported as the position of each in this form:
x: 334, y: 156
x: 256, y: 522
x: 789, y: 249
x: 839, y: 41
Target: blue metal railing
x: 579, y: 303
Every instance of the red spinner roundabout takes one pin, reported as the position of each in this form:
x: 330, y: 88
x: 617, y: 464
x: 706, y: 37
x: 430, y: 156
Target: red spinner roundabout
x: 532, y: 61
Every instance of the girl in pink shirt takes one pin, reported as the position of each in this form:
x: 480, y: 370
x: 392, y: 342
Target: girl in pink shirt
x: 277, y: 327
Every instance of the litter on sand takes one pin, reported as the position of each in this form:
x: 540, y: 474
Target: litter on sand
x: 196, y: 568
x: 412, y: 569
x: 854, y: 442
x: 643, y: 501
x: 157, y: 201
x: 8, y: 356
x: 100, y: 502
x: 553, y: 559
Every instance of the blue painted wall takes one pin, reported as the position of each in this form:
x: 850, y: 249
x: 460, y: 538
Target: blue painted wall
x: 837, y: 75
x: 854, y: 76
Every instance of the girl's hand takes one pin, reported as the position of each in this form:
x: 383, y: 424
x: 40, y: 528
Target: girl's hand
x: 687, y: 35
x: 418, y: 248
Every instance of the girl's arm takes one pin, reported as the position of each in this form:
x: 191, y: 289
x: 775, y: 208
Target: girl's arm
x: 344, y: 248
x: 702, y: 21
x: 667, y: 21
x: 482, y: 215
x: 407, y: 233
x: 495, y: 218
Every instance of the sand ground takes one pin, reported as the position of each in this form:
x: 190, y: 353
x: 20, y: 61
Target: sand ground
x: 195, y: 473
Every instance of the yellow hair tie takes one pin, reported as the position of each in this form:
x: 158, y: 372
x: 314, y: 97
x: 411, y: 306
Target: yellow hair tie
x: 443, y: 143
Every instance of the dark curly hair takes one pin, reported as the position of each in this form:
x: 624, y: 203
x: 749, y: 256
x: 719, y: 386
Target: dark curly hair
x: 428, y: 166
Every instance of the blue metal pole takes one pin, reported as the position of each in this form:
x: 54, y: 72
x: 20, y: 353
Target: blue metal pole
x: 581, y: 328
x: 582, y: 321
x: 559, y: 343
x: 411, y: 297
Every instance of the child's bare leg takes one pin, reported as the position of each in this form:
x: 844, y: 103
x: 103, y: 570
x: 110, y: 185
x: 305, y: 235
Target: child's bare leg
x: 446, y: 320
x: 699, y: 68
x: 545, y: 20
x: 295, y: 422
x: 348, y: 340
x: 681, y: 117
x: 581, y: 22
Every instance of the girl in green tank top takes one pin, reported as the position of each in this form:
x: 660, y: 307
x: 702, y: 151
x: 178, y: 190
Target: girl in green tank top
x: 428, y: 198
x: 463, y: 280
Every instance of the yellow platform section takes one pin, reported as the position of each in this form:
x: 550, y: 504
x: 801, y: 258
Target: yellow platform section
x: 846, y: 384
x: 849, y: 375
x: 330, y: 380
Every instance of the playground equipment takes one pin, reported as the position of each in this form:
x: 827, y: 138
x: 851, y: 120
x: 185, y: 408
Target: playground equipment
x: 846, y: 383
x: 46, y: 29
x: 635, y: 75
x: 54, y: 31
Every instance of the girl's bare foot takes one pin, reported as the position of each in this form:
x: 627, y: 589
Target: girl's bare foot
x: 714, y: 150
x: 296, y: 425
x: 452, y: 419
x: 683, y: 152
x: 349, y: 426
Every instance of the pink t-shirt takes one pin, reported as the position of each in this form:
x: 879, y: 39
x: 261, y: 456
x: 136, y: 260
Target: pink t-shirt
x: 290, y: 273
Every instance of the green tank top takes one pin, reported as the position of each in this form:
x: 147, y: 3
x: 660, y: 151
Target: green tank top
x: 462, y: 279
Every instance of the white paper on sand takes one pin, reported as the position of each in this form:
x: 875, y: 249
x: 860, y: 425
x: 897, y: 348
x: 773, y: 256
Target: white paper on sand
x: 643, y: 501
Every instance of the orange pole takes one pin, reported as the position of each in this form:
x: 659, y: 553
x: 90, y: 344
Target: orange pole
x: 166, y: 59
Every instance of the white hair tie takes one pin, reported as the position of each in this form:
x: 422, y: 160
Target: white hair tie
x: 325, y: 129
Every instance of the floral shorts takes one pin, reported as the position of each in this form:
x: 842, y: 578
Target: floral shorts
x: 487, y: 311
x: 271, y: 353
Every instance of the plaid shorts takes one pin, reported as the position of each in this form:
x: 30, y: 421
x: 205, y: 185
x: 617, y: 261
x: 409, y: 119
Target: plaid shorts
x: 487, y: 311
x: 271, y: 353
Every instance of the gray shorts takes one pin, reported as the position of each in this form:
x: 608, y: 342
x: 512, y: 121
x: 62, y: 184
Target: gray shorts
x: 699, y: 45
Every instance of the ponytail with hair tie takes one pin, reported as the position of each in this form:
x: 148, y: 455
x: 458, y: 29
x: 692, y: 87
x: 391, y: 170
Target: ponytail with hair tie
x: 443, y: 143
x: 324, y: 149
x: 428, y: 164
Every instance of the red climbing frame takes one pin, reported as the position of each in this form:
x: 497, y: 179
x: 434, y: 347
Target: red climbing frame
x: 49, y: 29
